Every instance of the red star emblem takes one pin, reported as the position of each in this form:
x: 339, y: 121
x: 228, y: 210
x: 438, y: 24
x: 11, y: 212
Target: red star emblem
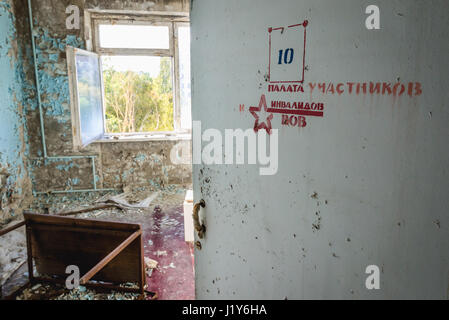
x: 266, y: 124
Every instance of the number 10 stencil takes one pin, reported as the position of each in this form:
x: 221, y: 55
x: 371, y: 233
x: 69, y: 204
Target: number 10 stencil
x: 287, y: 46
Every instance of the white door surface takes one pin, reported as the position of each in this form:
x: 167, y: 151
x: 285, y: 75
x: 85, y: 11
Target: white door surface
x: 361, y: 121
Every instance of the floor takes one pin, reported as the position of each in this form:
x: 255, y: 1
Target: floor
x: 164, y: 242
x: 163, y: 234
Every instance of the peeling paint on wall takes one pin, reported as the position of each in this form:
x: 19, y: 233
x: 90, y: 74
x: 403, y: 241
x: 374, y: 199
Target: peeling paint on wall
x: 52, y: 67
x: 14, y: 179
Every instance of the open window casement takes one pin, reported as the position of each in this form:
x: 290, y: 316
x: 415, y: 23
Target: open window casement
x: 86, y: 95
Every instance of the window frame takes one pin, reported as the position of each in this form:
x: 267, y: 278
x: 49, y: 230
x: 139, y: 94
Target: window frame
x: 173, y: 22
x: 132, y: 51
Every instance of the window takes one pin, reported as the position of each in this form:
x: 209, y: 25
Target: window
x: 135, y: 84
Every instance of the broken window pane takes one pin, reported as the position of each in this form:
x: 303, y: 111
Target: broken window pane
x: 184, y: 74
x: 134, y: 36
x: 138, y: 93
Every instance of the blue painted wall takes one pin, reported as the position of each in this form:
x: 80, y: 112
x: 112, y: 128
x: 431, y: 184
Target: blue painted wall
x: 14, y: 181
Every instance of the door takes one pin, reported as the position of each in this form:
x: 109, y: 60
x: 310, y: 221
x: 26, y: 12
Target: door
x: 355, y: 204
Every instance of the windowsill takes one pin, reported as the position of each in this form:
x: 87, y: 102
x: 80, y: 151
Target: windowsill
x: 142, y: 137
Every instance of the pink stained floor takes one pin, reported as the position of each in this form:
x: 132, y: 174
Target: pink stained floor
x: 163, y: 239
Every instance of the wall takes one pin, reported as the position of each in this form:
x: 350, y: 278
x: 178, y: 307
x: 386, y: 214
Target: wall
x: 117, y: 164
x: 365, y: 184
x: 14, y: 179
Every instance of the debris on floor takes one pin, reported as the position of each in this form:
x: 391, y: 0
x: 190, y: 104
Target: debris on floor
x: 129, y: 200
x: 150, y: 264
x: 160, y: 253
x: 12, y: 253
x: 58, y: 292
x: 171, y: 265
